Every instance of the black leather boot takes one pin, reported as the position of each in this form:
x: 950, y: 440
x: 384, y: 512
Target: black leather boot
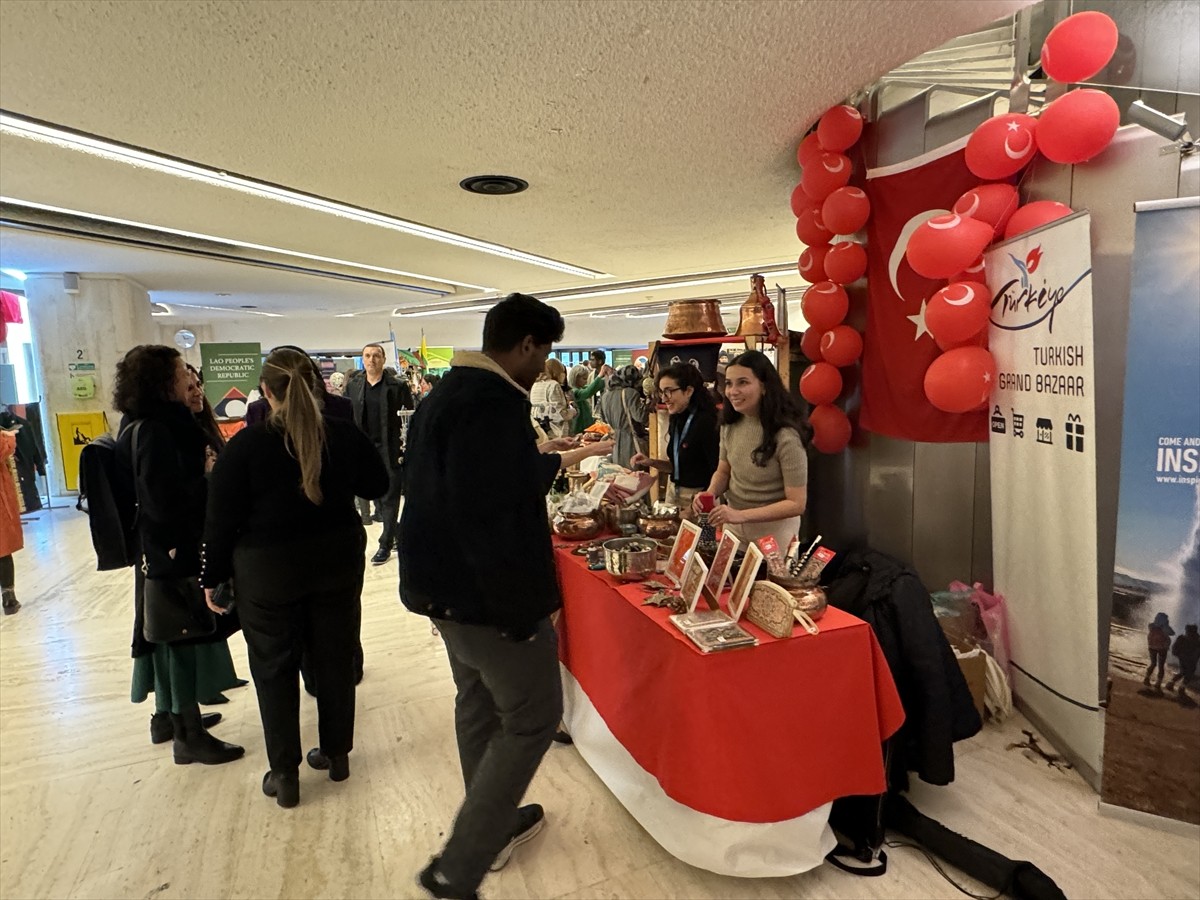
x: 194, y: 744
x: 283, y: 786
x: 161, y: 729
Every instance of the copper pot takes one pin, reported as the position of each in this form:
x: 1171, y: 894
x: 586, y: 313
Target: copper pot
x: 694, y: 318
x: 752, y: 324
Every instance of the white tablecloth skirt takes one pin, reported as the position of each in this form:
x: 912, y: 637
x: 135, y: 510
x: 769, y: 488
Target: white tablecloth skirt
x: 746, y: 849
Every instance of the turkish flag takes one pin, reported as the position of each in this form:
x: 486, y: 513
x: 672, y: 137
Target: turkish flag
x: 897, y: 347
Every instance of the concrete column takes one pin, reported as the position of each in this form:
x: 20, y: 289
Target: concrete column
x: 109, y: 315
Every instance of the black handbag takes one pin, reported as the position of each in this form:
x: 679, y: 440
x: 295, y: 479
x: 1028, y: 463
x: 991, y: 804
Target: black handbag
x: 174, y: 610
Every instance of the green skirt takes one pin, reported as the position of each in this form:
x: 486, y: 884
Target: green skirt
x: 180, y: 675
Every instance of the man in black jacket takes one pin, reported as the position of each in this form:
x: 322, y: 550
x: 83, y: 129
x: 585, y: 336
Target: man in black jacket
x: 475, y: 556
x: 378, y: 398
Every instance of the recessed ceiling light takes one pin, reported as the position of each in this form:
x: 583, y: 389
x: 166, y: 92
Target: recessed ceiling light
x: 223, y: 294
x: 76, y: 140
x: 244, y: 306
x: 493, y: 185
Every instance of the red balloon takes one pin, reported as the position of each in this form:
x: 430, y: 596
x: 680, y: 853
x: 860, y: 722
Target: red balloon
x: 841, y: 346
x: 845, y: 263
x: 961, y: 380
x: 976, y: 273
x: 810, y: 344
x: 825, y: 175
x: 820, y: 383
x: 1079, y: 46
x: 839, y: 128
x: 811, y: 230
x: 1002, y: 146
x: 831, y: 429
x: 1077, y: 126
x: 991, y: 203
x: 808, y: 150
x: 846, y: 210
x: 1034, y: 215
x: 800, y: 201
x: 812, y: 263
x: 947, y: 244
x: 958, y: 312
x: 979, y: 340
x: 824, y: 305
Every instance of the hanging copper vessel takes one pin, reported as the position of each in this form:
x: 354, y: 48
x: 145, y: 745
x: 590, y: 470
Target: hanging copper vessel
x: 694, y: 319
x: 752, y: 325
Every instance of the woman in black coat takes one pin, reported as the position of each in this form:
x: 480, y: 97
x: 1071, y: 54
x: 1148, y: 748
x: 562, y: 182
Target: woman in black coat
x: 282, y: 523
x: 168, y: 476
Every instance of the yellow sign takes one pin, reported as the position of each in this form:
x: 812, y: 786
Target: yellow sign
x: 75, y: 431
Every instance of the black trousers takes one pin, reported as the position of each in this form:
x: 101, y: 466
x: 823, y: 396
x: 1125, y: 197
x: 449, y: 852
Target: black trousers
x: 389, y: 508
x: 302, y: 601
x: 508, y: 705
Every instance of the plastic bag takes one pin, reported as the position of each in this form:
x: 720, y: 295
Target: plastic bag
x: 992, y: 612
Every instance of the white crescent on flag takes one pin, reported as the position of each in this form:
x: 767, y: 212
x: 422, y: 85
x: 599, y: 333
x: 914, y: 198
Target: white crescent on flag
x: 902, y: 244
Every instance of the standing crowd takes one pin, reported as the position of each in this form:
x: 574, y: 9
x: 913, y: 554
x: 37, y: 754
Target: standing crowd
x: 221, y: 526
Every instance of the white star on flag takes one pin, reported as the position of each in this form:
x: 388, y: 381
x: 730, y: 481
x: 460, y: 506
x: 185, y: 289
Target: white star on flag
x: 919, y: 321
x: 1014, y: 126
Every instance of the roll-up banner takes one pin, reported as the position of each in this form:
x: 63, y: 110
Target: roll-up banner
x: 1152, y: 719
x: 1043, y: 473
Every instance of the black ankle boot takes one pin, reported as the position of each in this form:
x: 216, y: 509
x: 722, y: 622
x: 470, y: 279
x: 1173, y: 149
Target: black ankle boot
x: 338, y: 766
x: 283, y: 786
x: 194, y: 744
x: 161, y: 729
x: 10, y: 602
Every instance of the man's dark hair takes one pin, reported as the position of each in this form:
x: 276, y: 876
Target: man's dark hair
x: 516, y: 317
x: 600, y: 356
x: 379, y: 347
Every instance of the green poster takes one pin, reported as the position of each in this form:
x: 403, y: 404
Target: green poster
x: 230, y: 374
x: 438, y: 358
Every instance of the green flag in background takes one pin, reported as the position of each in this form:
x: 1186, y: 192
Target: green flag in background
x: 230, y: 374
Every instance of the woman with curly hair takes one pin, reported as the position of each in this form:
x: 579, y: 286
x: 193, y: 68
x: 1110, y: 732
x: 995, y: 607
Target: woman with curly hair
x: 282, y: 524
x: 167, y: 475
x: 763, y: 468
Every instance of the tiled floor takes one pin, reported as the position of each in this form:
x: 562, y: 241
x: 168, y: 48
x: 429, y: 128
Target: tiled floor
x: 89, y: 808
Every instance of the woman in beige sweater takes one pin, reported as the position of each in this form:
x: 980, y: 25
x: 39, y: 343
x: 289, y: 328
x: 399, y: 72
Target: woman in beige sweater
x: 763, y: 472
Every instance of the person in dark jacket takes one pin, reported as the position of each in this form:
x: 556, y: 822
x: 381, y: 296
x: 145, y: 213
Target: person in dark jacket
x: 168, y: 478
x: 475, y: 556
x: 938, y: 707
x: 377, y: 398
x: 693, y: 437
x: 281, y: 523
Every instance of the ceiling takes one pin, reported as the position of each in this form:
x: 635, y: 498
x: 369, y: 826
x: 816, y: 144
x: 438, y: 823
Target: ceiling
x: 658, y: 138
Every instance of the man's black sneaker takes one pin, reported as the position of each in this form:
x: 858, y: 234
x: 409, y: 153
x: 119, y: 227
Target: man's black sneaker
x: 382, y: 555
x: 434, y: 882
x: 530, y: 820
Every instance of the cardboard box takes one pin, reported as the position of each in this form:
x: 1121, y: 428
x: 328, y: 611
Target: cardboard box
x: 974, y: 669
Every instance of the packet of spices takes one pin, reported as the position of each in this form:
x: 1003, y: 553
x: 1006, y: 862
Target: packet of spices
x: 811, y: 570
x: 776, y: 564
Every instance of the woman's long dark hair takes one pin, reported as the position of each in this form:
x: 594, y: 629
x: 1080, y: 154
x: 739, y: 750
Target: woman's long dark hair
x: 688, y: 376
x: 145, y: 378
x: 207, y: 418
x: 776, y: 410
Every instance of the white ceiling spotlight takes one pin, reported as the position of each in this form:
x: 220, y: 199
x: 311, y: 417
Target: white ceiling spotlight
x: 74, y: 140
x: 15, y: 274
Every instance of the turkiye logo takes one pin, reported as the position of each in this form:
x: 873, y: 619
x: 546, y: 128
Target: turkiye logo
x: 1023, y: 303
x: 232, y: 405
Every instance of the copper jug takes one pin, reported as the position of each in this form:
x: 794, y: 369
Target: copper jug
x: 694, y: 318
x: 753, y: 326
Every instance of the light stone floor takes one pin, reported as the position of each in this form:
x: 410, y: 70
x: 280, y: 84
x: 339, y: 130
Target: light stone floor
x: 89, y: 808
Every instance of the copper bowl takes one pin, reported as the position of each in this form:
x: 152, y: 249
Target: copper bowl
x: 809, y: 597
x: 576, y: 526
x: 694, y: 318
x: 658, y: 526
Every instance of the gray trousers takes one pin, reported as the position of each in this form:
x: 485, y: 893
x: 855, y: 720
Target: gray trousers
x: 508, y: 705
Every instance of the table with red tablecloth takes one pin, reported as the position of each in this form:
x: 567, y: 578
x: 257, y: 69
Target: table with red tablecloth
x: 730, y: 760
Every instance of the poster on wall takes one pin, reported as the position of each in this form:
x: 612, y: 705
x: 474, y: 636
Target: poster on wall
x: 76, y: 431
x: 1152, y: 717
x: 230, y: 376
x: 437, y: 359
x: 1043, y: 474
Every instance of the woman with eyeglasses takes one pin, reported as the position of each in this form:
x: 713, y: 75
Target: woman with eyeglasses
x: 693, y: 442
x: 763, y: 472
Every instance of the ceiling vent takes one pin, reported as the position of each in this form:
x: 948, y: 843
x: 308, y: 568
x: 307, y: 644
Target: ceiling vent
x: 493, y: 185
